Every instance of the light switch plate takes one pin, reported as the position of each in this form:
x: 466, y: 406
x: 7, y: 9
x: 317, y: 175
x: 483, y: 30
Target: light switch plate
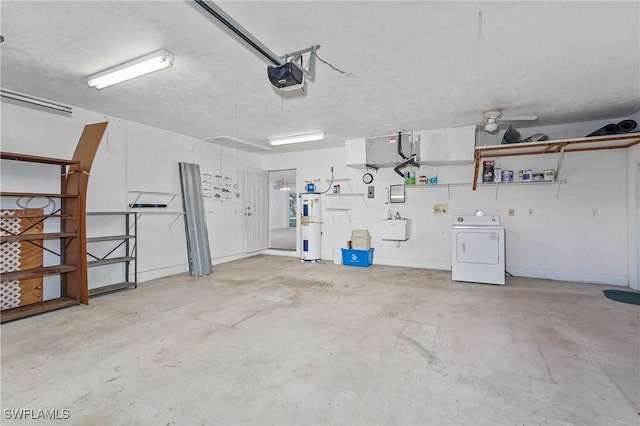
x: 370, y: 191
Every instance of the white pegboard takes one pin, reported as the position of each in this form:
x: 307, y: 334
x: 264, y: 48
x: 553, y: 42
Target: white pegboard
x: 10, y: 260
x: 10, y: 294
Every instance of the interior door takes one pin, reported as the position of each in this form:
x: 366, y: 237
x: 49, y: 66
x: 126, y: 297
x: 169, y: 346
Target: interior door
x: 256, y: 211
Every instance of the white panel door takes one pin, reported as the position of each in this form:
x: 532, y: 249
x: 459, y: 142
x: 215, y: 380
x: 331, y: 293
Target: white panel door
x: 256, y: 211
x: 478, y: 247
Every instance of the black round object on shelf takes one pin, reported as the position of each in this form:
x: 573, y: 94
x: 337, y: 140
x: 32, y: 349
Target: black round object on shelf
x: 626, y: 126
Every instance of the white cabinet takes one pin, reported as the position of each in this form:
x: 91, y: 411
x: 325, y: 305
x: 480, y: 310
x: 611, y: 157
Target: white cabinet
x: 355, y: 153
x: 447, y: 146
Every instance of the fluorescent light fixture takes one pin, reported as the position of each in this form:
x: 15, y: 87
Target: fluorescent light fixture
x: 34, y: 101
x: 149, y: 63
x: 298, y: 139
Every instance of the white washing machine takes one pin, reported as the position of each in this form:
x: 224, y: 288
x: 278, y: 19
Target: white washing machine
x: 477, y: 249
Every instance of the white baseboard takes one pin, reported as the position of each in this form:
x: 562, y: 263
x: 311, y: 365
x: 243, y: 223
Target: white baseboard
x: 286, y: 253
x: 411, y: 263
x: 225, y: 259
x: 162, y: 272
x: 179, y: 269
x: 607, y: 279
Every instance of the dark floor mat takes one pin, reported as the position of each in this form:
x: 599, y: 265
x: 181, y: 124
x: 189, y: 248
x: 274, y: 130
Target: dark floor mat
x: 623, y: 296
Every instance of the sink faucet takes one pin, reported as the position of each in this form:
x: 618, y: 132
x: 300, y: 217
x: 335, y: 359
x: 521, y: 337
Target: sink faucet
x: 398, y: 216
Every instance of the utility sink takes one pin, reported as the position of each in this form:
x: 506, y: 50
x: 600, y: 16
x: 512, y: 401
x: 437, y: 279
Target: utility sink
x: 396, y: 229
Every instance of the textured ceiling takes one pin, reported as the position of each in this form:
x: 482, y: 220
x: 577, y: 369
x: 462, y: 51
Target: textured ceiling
x: 408, y: 65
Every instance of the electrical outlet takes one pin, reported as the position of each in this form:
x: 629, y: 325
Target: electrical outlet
x: 530, y: 212
x: 370, y: 191
x: 512, y: 212
x: 440, y: 208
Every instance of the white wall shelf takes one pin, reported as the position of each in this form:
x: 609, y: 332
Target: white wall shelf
x: 437, y: 185
x: 144, y: 207
x: 333, y: 209
x: 346, y: 195
x: 526, y: 182
x: 140, y: 194
x: 496, y: 185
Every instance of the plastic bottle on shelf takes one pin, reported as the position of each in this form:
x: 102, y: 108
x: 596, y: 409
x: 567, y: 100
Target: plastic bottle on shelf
x: 497, y: 173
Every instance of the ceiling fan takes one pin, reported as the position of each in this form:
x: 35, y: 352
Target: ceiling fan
x: 493, y: 117
x: 283, y: 185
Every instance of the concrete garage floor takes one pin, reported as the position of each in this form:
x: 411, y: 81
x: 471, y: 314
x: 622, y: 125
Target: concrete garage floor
x: 271, y: 340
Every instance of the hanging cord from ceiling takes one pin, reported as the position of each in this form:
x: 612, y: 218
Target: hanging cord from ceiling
x: 309, y: 70
x: 481, y: 82
x: 348, y: 74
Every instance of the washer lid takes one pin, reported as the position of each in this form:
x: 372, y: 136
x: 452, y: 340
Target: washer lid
x: 473, y: 220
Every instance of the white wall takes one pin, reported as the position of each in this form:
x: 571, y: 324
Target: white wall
x: 132, y: 157
x: 580, y: 236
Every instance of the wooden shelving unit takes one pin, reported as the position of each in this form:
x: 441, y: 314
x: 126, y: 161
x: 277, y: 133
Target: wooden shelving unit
x: 560, y: 147
x: 68, y: 230
x: 70, y: 210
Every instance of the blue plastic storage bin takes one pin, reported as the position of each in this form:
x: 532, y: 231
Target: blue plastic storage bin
x: 352, y: 257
